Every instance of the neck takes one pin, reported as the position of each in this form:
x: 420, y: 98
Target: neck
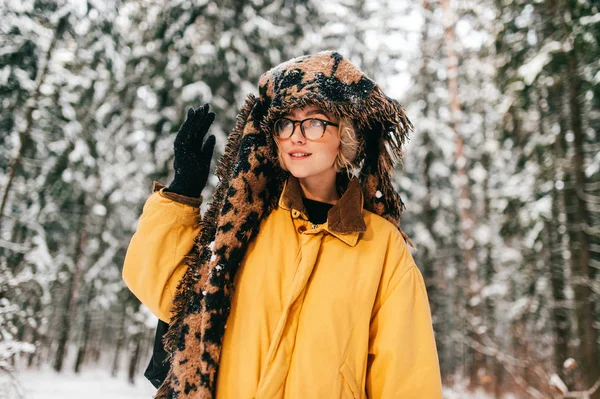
x: 321, y: 190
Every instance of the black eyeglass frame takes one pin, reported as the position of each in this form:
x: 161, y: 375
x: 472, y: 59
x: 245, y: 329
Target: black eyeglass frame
x: 301, y: 123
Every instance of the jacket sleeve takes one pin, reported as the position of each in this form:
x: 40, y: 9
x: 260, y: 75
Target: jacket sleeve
x: 154, y: 260
x: 402, y: 361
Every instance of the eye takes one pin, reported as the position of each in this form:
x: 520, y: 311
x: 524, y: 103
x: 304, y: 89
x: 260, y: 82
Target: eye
x: 285, y: 123
x: 315, y: 123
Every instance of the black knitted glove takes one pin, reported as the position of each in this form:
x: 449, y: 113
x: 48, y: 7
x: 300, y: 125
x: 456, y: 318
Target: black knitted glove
x: 192, y: 159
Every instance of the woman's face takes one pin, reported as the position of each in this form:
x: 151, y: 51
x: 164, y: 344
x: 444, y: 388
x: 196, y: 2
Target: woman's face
x: 310, y: 159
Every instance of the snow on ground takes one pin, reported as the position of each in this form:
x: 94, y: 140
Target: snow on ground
x: 46, y: 384
x: 457, y: 393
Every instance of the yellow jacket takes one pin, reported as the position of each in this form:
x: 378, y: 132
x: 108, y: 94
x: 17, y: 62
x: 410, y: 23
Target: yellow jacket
x: 316, y: 313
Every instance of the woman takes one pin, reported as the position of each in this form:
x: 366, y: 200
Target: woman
x: 298, y: 282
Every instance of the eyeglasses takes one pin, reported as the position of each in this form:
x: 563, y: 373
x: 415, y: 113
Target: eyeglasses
x: 311, y: 128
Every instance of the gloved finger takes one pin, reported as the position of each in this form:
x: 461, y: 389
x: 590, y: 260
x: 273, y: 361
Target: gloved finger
x: 200, y: 132
x: 186, y: 122
x: 196, y: 126
x: 201, y: 113
x: 205, y: 125
x: 193, y: 120
x: 207, y: 151
x: 187, y: 134
x: 203, y: 108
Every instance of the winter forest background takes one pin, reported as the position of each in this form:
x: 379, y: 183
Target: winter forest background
x: 501, y: 177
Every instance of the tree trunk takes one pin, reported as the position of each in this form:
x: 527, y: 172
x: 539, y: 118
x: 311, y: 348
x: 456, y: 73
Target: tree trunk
x: 556, y: 262
x: 84, y: 343
x: 135, y: 355
x: 70, y: 309
x: 495, y: 370
x: 560, y: 314
x: 83, y: 347
x: 35, y: 334
x: 120, y: 342
x: 61, y: 351
x: 96, y: 344
x: 476, y: 360
x: 433, y: 271
x: 578, y: 219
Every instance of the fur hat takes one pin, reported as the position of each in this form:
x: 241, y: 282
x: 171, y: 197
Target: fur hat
x: 251, y: 181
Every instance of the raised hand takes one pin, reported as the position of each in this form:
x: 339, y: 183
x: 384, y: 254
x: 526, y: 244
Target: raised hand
x: 192, y: 157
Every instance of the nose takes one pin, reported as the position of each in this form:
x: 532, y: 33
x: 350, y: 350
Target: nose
x: 297, y: 136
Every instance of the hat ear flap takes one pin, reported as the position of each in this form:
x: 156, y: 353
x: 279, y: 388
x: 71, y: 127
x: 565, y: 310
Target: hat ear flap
x: 380, y: 196
x: 381, y: 199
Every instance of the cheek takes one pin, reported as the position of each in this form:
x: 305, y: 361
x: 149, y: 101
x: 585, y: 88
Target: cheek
x: 333, y: 149
x: 280, y: 159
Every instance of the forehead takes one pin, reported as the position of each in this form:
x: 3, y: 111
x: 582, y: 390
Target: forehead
x: 309, y: 110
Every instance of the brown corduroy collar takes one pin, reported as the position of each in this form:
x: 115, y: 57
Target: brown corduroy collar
x: 345, y: 217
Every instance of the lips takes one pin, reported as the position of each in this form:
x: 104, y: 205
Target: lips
x: 299, y: 154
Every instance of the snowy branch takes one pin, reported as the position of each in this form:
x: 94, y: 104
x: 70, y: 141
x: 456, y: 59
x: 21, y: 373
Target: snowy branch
x: 585, y: 394
x: 589, y: 198
x: 13, y: 382
x: 15, y: 247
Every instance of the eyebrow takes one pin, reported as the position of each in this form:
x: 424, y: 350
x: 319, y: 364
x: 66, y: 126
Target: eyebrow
x: 317, y: 111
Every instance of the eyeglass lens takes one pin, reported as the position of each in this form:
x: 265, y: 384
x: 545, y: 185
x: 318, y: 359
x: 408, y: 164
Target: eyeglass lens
x: 313, y: 129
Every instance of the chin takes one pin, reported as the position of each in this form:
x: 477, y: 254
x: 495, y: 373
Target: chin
x: 299, y: 174
x: 302, y: 173
x: 309, y: 170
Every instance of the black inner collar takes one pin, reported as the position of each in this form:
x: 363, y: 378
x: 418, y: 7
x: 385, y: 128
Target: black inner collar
x: 317, y: 211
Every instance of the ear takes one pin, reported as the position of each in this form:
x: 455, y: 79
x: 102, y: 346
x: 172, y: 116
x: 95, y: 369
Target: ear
x: 349, y: 146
